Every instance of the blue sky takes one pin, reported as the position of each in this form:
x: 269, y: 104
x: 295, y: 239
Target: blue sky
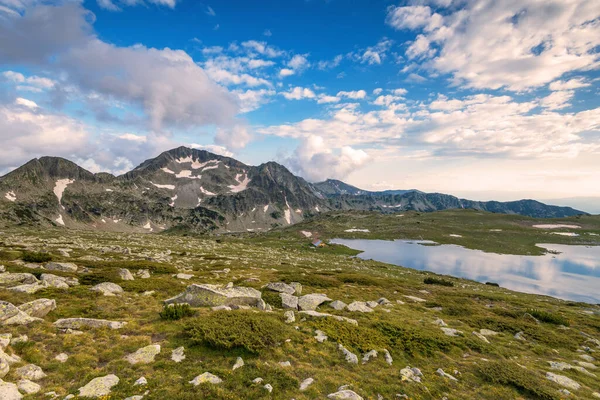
x: 478, y: 98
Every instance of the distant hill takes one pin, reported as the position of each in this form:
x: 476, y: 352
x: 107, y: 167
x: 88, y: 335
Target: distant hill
x: 197, y: 190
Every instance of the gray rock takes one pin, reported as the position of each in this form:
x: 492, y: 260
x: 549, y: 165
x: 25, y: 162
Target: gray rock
x: 310, y: 302
x: 64, y: 267
x: 372, y: 304
x: 19, y: 339
x: 5, y: 340
x: 184, y: 276
x: 9, y: 391
x: 78, y: 323
x: 31, y: 372
x: 440, y: 322
x: 239, y: 363
x: 7, y: 311
x: 359, y: 306
x: 306, y: 383
x: 125, y: 274
x: 316, y: 314
x: 443, y: 374
x: 563, y: 381
x: 289, y: 317
x: 99, y: 387
x: 4, y: 368
x: 216, y: 295
x: 29, y: 288
x: 10, y: 278
x: 145, y: 355
x: 261, y: 305
x: 107, y: 288
x: 221, y: 308
x: 320, y: 336
x: 62, y: 357
x: 411, y: 374
x: 178, y: 355
x: 451, y: 332
x: 297, y: 287
x: 520, y: 336
x: 285, y: 364
x: 348, y: 355
x: 388, y: 357
x: 338, y: 305
x: 481, y: 337
x: 60, y: 282
x: 143, y: 274
x: 488, y: 332
x: 281, y: 287
x: 268, y: 387
x: 141, y: 382
x: 344, y: 395
x: 206, y: 377
x: 289, y: 301
x: 383, y: 301
x: 368, y: 355
x: 28, y: 387
x: 38, y: 308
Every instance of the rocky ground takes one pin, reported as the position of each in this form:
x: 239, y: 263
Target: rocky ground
x: 101, y: 315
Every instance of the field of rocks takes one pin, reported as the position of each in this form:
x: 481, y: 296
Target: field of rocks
x: 137, y: 316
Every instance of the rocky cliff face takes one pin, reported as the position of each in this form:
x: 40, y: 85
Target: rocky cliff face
x: 193, y: 189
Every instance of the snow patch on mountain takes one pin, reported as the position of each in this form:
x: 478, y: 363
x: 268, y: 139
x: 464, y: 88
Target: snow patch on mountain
x: 171, y: 187
x: 168, y: 171
x: 172, y: 203
x: 265, y: 208
x: 59, y: 189
x: 59, y: 220
x: 148, y: 226
x: 206, y: 192
x: 11, y: 196
x: 242, y: 183
x: 195, y: 164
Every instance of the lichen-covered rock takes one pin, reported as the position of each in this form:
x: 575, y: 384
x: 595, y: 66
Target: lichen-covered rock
x: 281, y: 287
x: 338, y: 305
x: 38, y: 308
x: 348, y: 355
x: 28, y: 387
x: 206, y: 377
x: 9, y: 391
x: 99, y: 387
x: 239, y: 363
x: 78, y: 323
x: 7, y: 311
x: 451, y: 332
x: 184, y: 276
x: 31, y: 372
x: 320, y: 336
x: 289, y: 317
x: 178, y: 355
x: 297, y: 288
x: 316, y: 314
x: 344, y: 395
x: 289, y: 301
x: 368, y: 355
x: 58, y: 266
x: 4, y: 368
x: 411, y: 374
x: 310, y: 302
x: 145, y: 355
x: 30, y: 288
x: 359, y: 306
x: 563, y: 381
x: 10, y: 278
x: 107, y: 288
x: 125, y: 274
x: 306, y: 383
x: 215, y: 295
x: 59, y: 282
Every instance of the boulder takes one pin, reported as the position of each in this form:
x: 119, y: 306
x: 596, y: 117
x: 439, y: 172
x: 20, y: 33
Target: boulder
x: 316, y: 314
x: 145, y: 355
x: 62, y: 357
x: 107, y: 288
x: 563, y: 381
x: 411, y: 374
x: 289, y: 301
x: 306, y: 383
x: 216, y: 295
x: 141, y: 382
x: 348, y: 355
x: 78, y: 323
x: 5, y: 340
x: 30, y: 288
x: 99, y: 387
x: 63, y: 267
x: 206, y: 377
x: 9, y: 391
x: 368, y: 355
x: 320, y: 336
x: 4, y: 368
x: 7, y: 311
x: 60, y: 282
x: 310, y: 302
x: 10, y: 278
x: 28, y: 387
x: 125, y: 274
x: 359, y: 306
x: 338, y: 305
x: 289, y: 317
x: 31, y: 372
x: 38, y: 308
x: 178, y: 355
x: 451, y: 332
x: 143, y: 274
x: 297, y: 287
x: 281, y: 287
x: 184, y: 276
x: 344, y: 395
x: 239, y: 363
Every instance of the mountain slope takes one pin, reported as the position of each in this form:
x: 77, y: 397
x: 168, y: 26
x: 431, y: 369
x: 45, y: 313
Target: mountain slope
x: 194, y: 189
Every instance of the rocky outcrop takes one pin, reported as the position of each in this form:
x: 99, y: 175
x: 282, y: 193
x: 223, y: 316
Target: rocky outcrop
x: 215, y: 295
x: 145, y: 355
x: 310, y: 302
x: 78, y: 323
x: 38, y: 308
x: 99, y: 387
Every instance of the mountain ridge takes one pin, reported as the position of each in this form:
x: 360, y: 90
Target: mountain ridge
x: 206, y: 192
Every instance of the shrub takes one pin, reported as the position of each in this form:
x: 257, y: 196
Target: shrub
x: 414, y: 341
x: 276, y: 214
x: 437, y: 281
x: 363, y: 280
x: 247, y: 330
x: 313, y: 280
x: 176, y: 311
x: 548, y: 317
x: 358, y: 338
x: 36, y: 257
x: 524, y: 381
x: 98, y: 276
x: 492, y: 284
x: 272, y: 298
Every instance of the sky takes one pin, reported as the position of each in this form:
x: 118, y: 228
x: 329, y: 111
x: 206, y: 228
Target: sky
x: 480, y: 98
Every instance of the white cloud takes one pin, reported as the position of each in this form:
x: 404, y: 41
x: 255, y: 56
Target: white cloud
x: 26, y: 103
x: 286, y: 72
x: 234, y: 137
x: 133, y: 137
x: 299, y: 93
x: 322, y: 65
x: 212, y: 50
x: 267, y: 33
x: 571, y: 84
x: 325, y: 99
x: 262, y: 48
x: 377, y: 91
x: 210, y: 11
x: 557, y: 100
x: 376, y: 54
x: 410, y: 17
x: 213, y: 148
x: 419, y: 48
x: 355, y: 95
x: 251, y: 100
x: 299, y: 62
x: 315, y: 160
x: 254, y: 64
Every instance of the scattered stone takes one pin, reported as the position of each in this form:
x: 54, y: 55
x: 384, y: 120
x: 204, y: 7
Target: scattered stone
x: 10, y: 278
x: 289, y: 301
x: 480, y: 336
x: 297, y: 288
x: 141, y: 382
x: 78, y: 323
x: 216, y: 295
x: 11, y: 315
x: 221, y: 308
x: 348, y: 355
x: 206, y: 377
x: 184, y: 276
x: 563, y: 381
x: 564, y: 392
x: 4, y: 368
x: 145, y: 355
x: 5, y: 340
x: 317, y: 314
x: 411, y: 374
x: 310, y: 302
x: 306, y: 383
x: 415, y: 299
x: 9, y: 391
x: 239, y: 363
x: 257, y: 380
x: 338, y: 305
x: 107, y: 288
x: 178, y: 355
x: 443, y: 374
x: 31, y: 372
x: 440, y: 322
x: 281, y: 287
x: 28, y: 387
x: 62, y: 357
x: 585, y: 364
x: 388, y: 357
x: 125, y: 274
x: 29, y: 288
x: 587, y: 357
x: 38, y: 308
x: 359, y: 306
x: 451, y: 332
x: 63, y: 267
x: 99, y: 387
x: 344, y: 395
x: 488, y: 332
x: 143, y: 274
x: 383, y: 301
x: 368, y: 355
x: 285, y: 364
x: 261, y: 305
x: 58, y: 282
x: 268, y: 387
x: 520, y: 336
x: 320, y: 336
x: 289, y: 317
x: 372, y: 304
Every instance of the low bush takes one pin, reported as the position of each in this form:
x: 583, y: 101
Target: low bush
x: 548, y: 317
x: 525, y: 382
x: 247, y: 330
x: 98, y: 276
x: 492, y: 284
x: 272, y: 298
x: 357, y: 338
x: 437, y: 281
x: 36, y: 257
x: 176, y: 311
x: 312, y: 280
x: 9, y: 255
x: 358, y: 279
x: 414, y: 341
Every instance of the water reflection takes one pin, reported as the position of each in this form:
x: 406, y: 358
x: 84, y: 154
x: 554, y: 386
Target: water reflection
x: 574, y: 274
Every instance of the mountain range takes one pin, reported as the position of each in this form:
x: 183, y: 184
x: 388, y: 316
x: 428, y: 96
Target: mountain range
x: 196, y: 190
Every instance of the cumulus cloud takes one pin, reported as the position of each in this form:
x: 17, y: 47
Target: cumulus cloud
x: 513, y: 44
x: 355, y: 94
x: 262, y: 48
x: 375, y: 54
x: 213, y: 148
x: 323, y: 65
x: 299, y: 93
x: 234, y: 137
x: 315, y: 160
x: 571, y: 84
x: 250, y: 100
x: 325, y: 99
x: 286, y: 72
